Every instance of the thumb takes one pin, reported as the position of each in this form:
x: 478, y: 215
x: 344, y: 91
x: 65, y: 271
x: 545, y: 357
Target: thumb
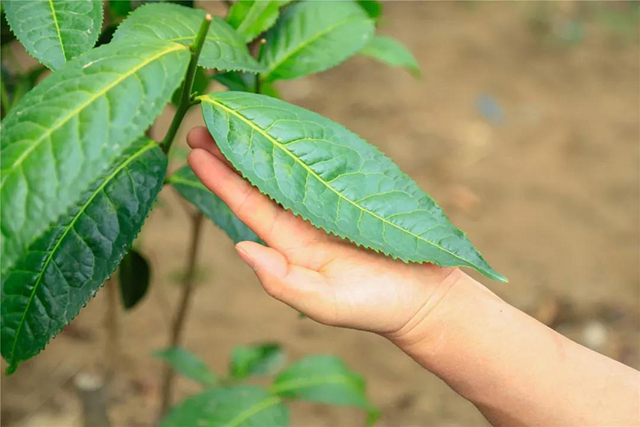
x: 303, y: 289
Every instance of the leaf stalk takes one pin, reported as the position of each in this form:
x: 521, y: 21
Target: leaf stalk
x: 185, y: 97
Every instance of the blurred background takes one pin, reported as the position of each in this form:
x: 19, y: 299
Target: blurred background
x: 524, y: 126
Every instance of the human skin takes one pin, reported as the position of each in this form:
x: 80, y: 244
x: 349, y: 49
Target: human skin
x: 514, y: 369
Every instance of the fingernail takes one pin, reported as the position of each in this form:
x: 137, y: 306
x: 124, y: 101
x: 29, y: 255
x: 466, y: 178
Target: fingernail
x: 246, y: 258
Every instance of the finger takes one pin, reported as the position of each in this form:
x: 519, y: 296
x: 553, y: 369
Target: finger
x: 280, y: 229
x: 199, y: 137
x: 303, y: 289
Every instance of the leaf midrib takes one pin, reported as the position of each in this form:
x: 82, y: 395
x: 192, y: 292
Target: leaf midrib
x: 310, y: 40
x: 83, y: 208
x: 252, y: 410
x: 58, y: 33
x: 261, y: 131
x: 84, y: 105
x: 309, y: 382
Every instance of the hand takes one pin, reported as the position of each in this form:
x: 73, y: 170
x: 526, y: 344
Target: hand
x: 330, y: 280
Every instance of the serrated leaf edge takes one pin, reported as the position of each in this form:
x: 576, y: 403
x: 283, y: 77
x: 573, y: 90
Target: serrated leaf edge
x: 12, y: 365
x: 490, y: 273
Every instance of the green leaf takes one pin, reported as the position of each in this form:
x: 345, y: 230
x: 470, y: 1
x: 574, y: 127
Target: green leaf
x: 238, y: 406
x: 189, y: 186
x: 245, y: 82
x: 372, y: 7
x: 313, y: 36
x: 223, y: 48
x: 64, y: 134
x: 331, y: 177
x: 55, y: 31
x: 391, y: 52
x: 324, y: 379
x: 259, y: 359
x: 134, y: 277
x: 65, y: 267
x: 252, y: 17
x: 188, y: 364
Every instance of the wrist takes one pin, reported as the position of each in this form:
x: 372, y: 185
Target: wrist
x: 449, y: 307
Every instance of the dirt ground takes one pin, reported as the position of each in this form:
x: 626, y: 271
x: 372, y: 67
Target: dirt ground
x: 528, y: 138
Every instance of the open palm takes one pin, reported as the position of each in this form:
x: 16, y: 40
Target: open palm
x: 330, y: 280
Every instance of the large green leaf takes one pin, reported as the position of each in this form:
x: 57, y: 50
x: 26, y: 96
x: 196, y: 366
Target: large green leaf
x: 391, y: 52
x: 64, y: 133
x: 55, y: 31
x: 324, y: 379
x: 190, y: 187
x: 223, y: 48
x: 333, y: 178
x: 238, y: 406
x: 65, y: 267
x: 313, y: 36
x: 134, y: 276
x: 188, y: 364
x: 251, y: 17
x: 259, y: 359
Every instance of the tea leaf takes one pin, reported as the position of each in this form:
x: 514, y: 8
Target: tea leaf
x: 234, y: 80
x: 232, y: 407
x: 313, y: 36
x: 134, y: 276
x: 65, y: 267
x: 372, y: 7
x: 331, y: 177
x: 324, y: 379
x: 189, y: 186
x: 391, y: 52
x: 188, y: 364
x: 67, y: 131
x: 223, y: 48
x: 251, y: 17
x: 259, y: 359
x: 55, y: 31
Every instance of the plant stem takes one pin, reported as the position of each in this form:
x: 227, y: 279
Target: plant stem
x: 185, y: 97
x: 177, y: 326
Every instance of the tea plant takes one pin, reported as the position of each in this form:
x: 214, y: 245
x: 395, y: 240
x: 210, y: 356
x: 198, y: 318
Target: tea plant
x: 80, y: 175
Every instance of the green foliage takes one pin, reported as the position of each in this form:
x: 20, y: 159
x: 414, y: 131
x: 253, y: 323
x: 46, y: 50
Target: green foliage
x: 134, y: 276
x: 188, y: 364
x: 323, y: 379
x: 331, y: 177
x: 391, y: 52
x: 260, y: 359
x: 314, y: 36
x: 252, y: 17
x: 200, y: 86
x: 372, y: 7
x: 119, y: 8
x: 65, y: 133
x: 66, y: 266
x: 244, y: 405
x: 189, y: 186
x: 234, y: 80
x: 223, y: 49
x: 55, y: 31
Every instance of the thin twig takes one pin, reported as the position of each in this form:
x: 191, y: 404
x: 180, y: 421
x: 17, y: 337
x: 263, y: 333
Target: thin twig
x: 177, y: 328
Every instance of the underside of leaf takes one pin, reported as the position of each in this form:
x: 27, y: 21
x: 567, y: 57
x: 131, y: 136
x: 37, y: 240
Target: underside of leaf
x: 331, y: 177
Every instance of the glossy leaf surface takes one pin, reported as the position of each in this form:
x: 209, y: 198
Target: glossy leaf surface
x: 55, y: 31
x: 223, y: 48
x: 391, y: 52
x: 314, y: 36
x: 260, y: 359
x: 190, y: 187
x: 336, y: 180
x: 65, y: 268
x: 239, y: 406
x: 252, y: 17
x: 324, y: 379
x: 188, y: 364
x: 134, y: 276
x: 66, y: 132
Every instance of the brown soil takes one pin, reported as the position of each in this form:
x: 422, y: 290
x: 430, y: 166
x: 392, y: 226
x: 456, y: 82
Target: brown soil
x: 551, y: 196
